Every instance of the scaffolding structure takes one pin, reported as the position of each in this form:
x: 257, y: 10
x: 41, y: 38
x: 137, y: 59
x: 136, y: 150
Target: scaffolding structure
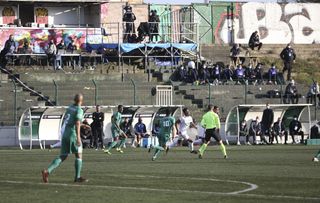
x: 178, y: 41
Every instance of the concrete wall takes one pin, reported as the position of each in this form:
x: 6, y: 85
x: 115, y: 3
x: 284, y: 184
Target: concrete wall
x: 277, y: 23
x: 8, y: 136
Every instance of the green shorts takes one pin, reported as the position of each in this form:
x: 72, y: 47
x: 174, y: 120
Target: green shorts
x: 163, y: 139
x: 69, y: 143
x: 114, y: 132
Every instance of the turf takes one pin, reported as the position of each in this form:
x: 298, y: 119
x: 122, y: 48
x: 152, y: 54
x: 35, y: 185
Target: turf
x: 282, y: 174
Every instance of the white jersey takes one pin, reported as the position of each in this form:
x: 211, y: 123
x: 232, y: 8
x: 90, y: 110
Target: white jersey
x: 185, y: 122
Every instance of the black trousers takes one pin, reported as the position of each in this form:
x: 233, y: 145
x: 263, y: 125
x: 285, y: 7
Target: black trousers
x: 255, y: 44
x: 287, y: 66
x: 253, y: 135
x: 97, y: 135
x: 292, y: 134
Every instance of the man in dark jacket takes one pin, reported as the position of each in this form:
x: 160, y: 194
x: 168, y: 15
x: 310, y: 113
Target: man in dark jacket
x: 254, y: 41
x: 295, y: 128
x: 291, y: 93
x: 278, y: 129
x: 9, y: 47
x: 266, y: 122
x: 288, y: 56
x: 254, y: 130
x: 97, y: 127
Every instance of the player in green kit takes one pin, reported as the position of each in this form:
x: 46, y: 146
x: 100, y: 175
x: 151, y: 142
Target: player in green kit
x: 119, y: 137
x: 167, y: 126
x: 71, y: 140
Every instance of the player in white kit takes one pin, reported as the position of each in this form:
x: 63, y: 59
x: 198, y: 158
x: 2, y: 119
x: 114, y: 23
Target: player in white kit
x: 183, y: 124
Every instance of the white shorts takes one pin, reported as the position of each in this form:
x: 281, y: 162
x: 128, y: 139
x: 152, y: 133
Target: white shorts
x: 184, y: 135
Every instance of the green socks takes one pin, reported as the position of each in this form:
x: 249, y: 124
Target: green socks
x: 157, y: 152
x: 203, y: 148
x: 122, y: 142
x: 223, y: 149
x: 55, y: 163
x: 159, y: 148
x: 78, y: 167
x: 113, y: 144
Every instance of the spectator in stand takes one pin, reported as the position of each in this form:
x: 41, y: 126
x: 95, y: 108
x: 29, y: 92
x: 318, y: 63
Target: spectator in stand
x: 234, y: 54
x: 295, y: 128
x: 154, y: 21
x: 182, y: 74
x: 140, y: 131
x: 254, y: 41
x: 61, y: 46
x: 86, y: 133
x: 273, y: 74
x: 9, y: 47
x: 266, y: 123
x: 313, y: 93
x: 216, y: 74
x: 192, y: 73
x: 72, y: 48
x: 51, y: 52
x: 240, y: 74
x: 259, y: 73
x: 243, y: 131
x: 128, y: 18
x: 278, y: 130
x: 97, y: 127
x: 288, y: 56
x: 228, y: 73
x: 25, y: 49
x: 250, y: 74
x: 204, y: 75
x: 291, y: 93
x: 254, y: 131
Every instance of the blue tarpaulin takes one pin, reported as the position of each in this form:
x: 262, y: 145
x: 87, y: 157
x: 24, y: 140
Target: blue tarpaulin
x: 128, y: 47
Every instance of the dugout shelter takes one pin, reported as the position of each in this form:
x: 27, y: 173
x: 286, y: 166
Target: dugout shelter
x: 248, y: 112
x: 43, y: 124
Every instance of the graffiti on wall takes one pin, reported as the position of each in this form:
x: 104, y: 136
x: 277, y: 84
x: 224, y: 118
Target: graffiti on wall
x: 276, y: 23
x: 39, y: 38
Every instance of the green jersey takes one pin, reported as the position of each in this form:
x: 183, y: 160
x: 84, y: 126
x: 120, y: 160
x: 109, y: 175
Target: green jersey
x: 116, y: 120
x: 73, y: 114
x: 166, y: 125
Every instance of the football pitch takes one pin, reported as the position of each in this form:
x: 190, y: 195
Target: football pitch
x: 252, y: 174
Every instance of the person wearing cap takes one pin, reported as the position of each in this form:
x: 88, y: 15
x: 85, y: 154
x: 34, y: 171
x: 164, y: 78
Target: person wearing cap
x: 291, y: 93
x: 288, y: 56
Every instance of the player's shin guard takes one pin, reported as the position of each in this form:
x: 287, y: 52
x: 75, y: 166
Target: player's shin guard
x: 223, y: 149
x: 54, y: 164
x: 157, y: 152
x: 203, y: 148
x: 122, y: 142
x: 78, y: 167
x: 113, y: 144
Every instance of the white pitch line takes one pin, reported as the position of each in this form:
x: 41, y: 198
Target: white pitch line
x: 166, y: 190
x: 251, y: 185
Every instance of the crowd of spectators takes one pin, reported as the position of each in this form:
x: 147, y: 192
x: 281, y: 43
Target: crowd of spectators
x: 219, y: 74
x: 270, y: 132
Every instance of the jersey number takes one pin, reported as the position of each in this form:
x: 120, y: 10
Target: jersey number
x: 166, y: 123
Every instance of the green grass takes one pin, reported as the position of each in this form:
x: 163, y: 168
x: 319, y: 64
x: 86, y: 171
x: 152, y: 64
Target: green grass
x: 282, y: 173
